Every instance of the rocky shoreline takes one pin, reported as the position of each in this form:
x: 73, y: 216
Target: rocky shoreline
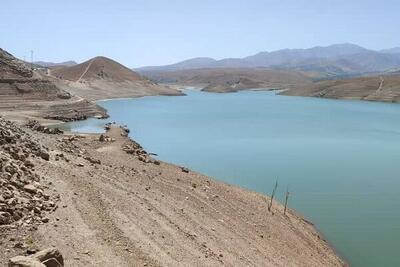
x: 104, y: 201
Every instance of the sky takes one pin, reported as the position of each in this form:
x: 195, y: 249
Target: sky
x: 156, y: 32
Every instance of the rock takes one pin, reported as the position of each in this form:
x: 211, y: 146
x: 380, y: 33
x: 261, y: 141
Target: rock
x: 92, y: 160
x: 28, y: 163
x: 52, y: 263
x: 31, y: 251
x: 30, y: 188
x: 102, y: 138
x: 35, y: 125
x: 125, y: 131
x: 50, y: 257
x: 184, y: 169
x: 44, y: 155
x: 21, y: 261
x: 5, y: 217
x: 19, y: 245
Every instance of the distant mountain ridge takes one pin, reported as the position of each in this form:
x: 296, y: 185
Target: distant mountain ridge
x: 394, y: 50
x: 196, y: 63
x: 52, y: 64
x: 338, y: 59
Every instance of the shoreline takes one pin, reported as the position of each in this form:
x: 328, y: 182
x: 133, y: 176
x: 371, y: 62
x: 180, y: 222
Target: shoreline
x: 282, y: 91
x: 126, y: 208
x: 227, y: 192
x: 293, y: 211
x: 298, y: 214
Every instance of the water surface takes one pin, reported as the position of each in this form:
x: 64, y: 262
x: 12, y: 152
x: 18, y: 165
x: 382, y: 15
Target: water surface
x: 339, y: 159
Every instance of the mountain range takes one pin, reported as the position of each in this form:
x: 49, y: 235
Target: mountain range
x: 333, y: 60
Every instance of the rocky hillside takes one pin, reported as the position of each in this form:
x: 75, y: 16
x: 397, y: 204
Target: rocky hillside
x: 12, y: 68
x: 102, y: 77
x: 26, y: 197
x: 23, y: 198
x: 25, y: 90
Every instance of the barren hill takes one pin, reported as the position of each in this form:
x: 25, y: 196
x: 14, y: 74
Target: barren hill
x: 95, y: 69
x: 23, y: 90
x: 102, y: 77
x: 13, y: 68
x: 377, y: 88
x: 231, y: 80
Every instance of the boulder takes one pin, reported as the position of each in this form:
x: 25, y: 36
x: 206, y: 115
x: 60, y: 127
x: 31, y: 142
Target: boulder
x: 30, y: 188
x: 21, y: 261
x: 50, y: 257
x: 44, y: 155
x: 47, y: 254
x: 184, y: 169
x: 5, y: 217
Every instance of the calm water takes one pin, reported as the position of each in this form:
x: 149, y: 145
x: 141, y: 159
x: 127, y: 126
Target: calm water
x: 340, y: 159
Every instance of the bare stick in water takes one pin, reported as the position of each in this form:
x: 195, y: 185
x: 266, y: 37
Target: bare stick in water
x: 286, y: 200
x: 273, y: 194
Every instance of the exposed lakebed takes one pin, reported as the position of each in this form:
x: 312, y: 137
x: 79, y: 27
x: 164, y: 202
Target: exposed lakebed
x: 339, y: 159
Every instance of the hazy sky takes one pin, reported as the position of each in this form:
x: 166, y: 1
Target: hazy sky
x: 154, y: 32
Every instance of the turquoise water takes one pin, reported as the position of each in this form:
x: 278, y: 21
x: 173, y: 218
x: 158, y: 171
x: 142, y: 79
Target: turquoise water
x: 339, y: 159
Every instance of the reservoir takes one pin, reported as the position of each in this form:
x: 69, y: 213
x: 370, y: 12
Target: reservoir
x: 340, y: 160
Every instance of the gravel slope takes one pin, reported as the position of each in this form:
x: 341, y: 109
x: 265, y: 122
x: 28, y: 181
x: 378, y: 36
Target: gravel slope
x: 127, y: 209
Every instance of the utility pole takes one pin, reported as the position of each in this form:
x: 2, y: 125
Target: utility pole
x: 32, y: 59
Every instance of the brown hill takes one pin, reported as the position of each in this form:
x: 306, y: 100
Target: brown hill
x: 376, y: 88
x: 231, y: 80
x: 26, y: 91
x: 95, y: 69
x: 101, y: 77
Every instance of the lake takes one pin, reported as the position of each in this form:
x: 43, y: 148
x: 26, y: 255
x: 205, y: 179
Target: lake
x: 340, y: 160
